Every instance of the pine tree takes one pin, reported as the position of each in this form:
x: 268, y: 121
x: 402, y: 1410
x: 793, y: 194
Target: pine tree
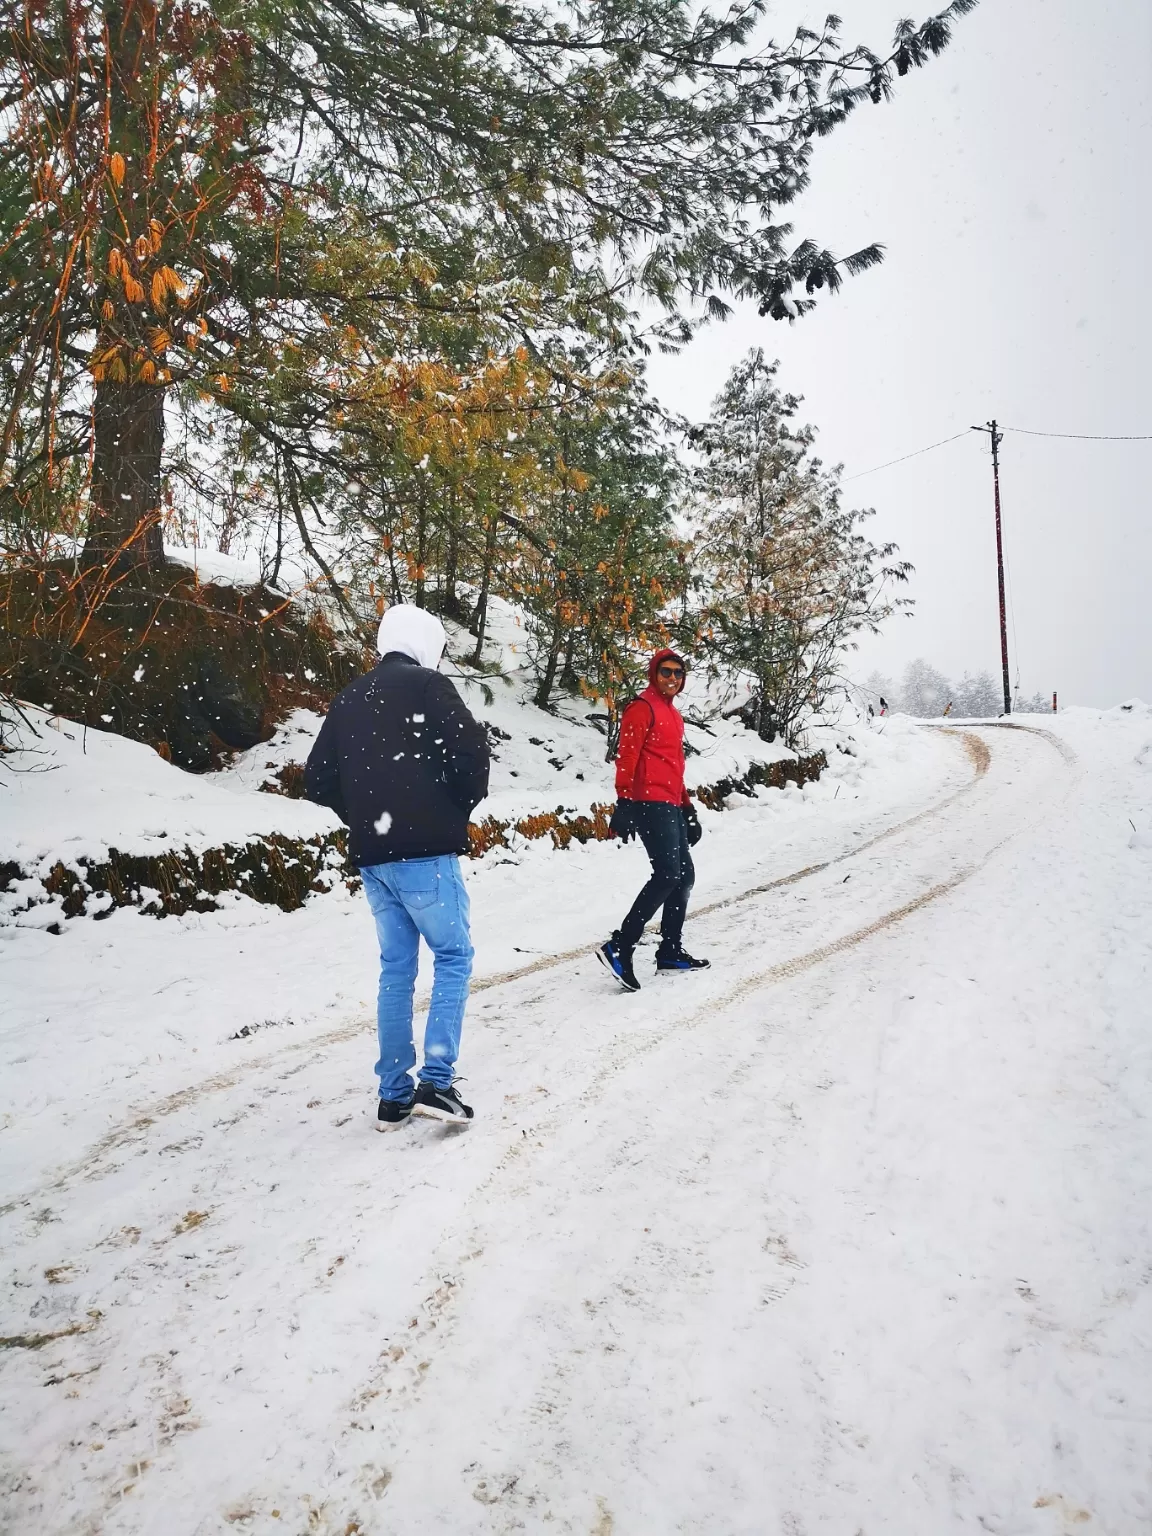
x: 979, y: 697
x: 788, y: 580
x: 602, y: 565
x: 879, y: 691
x: 925, y: 692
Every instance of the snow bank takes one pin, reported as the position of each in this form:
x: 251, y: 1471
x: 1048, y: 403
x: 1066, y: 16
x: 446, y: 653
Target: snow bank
x: 238, y: 571
x: 90, y: 820
x: 69, y: 794
x: 543, y: 760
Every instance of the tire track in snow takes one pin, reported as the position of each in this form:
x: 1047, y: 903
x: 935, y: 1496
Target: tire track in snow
x: 133, y: 1130
x: 441, y: 1276
x: 796, y: 965
x: 1051, y: 737
x: 442, y: 1299
x: 976, y: 749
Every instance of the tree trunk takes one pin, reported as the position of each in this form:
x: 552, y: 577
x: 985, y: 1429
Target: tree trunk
x: 124, y: 530
x: 421, y: 553
x: 568, y: 678
x: 394, y: 574
x: 275, y: 577
x: 548, y: 676
x: 449, y: 603
x: 767, y: 725
x: 615, y: 715
x: 480, y: 617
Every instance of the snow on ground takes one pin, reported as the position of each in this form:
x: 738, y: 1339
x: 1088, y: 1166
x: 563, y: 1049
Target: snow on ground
x: 209, y: 565
x: 542, y: 760
x: 849, y: 1234
x: 71, y: 793
x: 254, y: 971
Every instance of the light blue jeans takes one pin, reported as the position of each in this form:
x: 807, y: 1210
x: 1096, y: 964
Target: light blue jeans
x: 410, y: 898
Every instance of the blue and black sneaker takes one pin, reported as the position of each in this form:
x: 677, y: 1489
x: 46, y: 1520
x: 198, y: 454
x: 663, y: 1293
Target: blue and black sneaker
x: 441, y: 1104
x: 617, y: 958
x: 392, y: 1113
x: 678, y: 959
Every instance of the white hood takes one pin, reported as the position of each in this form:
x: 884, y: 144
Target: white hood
x: 414, y: 632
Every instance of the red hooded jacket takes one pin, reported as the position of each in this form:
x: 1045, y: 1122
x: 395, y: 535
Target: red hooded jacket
x: 650, y: 759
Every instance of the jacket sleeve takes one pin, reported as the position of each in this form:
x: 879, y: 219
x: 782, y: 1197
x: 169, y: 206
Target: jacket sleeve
x: 465, y: 745
x: 322, y: 771
x: 634, y: 727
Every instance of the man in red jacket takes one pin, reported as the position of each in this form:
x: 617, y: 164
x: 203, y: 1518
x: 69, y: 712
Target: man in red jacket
x: 652, y: 803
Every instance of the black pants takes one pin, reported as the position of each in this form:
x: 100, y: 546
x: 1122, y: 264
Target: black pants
x: 664, y: 833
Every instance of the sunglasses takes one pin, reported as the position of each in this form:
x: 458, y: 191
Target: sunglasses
x: 670, y: 671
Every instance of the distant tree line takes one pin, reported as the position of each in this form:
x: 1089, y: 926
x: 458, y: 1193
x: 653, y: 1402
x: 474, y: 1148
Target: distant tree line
x: 927, y: 693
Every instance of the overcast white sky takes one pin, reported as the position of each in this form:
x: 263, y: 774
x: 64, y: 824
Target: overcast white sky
x: 1010, y: 182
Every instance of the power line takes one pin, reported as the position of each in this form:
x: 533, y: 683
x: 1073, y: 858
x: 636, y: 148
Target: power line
x: 997, y: 435
x: 1084, y: 437
x: 916, y: 454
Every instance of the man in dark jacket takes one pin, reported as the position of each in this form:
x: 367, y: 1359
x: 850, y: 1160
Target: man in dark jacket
x: 403, y: 763
x: 653, y: 804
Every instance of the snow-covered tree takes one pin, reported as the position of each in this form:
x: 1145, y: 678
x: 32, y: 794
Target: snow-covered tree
x: 787, y: 580
x: 924, y: 691
x: 879, y: 691
x: 979, y: 697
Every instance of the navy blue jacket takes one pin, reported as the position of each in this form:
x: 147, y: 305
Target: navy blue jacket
x: 401, y: 762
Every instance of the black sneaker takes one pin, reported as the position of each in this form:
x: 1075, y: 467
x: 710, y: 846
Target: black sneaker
x: 679, y: 960
x: 393, y: 1112
x: 617, y: 958
x: 441, y: 1104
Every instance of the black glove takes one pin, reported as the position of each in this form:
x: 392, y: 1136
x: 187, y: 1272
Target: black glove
x: 692, y: 821
x: 623, y: 822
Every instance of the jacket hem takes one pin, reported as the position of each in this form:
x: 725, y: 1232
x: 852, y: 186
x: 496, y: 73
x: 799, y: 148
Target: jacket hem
x: 362, y: 861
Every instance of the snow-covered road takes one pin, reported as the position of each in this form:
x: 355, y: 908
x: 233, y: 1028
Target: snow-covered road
x: 850, y: 1234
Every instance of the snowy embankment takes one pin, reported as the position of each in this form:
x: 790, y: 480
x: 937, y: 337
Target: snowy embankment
x: 543, y: 761
x: 90, y: 821
x: 250, y: 970
x: 850, y: 1233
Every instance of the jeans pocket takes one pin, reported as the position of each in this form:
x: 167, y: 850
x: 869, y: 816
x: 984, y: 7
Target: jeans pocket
x: 417, y: 883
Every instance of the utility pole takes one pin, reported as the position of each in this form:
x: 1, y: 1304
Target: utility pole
x: 997, y: 438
